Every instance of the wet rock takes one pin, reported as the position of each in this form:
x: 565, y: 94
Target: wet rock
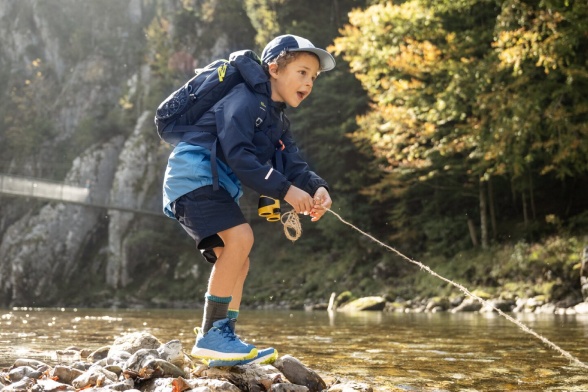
x: 152, y: 370
x: 133, y: 342
x: 283, y: 387
x: 437, y: 304
x: 68, y: 355
x: 297, y: 373
x: 172, y: 352
x: 35, y: 364
x: 146, y: 364
x: 21, y: 372
x: 500, y: 304
x: 83, y: 366
x: 116, y: 369
x: 351, y: 387
x: 365, y: 303
x: 117, y: 358
x: 125, y: 385
x: 48, y: 385
x: 99, y: 354
x: 95, y: 376
x: 139, y: 358
x: 468, y: 305
x: 247, y: 377
x: 26, y: 384
x: 581, y: 308
x: 195, y: 385
x: 65, y: 374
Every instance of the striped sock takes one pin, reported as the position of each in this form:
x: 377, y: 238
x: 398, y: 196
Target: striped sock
x: 233, y: 314
x: 215, y: 308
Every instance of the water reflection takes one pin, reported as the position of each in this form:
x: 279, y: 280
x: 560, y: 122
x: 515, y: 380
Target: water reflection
x: 396, y: 352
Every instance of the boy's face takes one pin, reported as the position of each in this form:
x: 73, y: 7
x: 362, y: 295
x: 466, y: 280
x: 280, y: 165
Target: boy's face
x: 293, y: 83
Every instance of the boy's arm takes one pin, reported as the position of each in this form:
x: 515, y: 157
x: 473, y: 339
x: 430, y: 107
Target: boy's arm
x: 297, y: 170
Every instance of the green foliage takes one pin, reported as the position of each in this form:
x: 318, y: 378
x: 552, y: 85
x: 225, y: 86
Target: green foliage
x: 464, y: 92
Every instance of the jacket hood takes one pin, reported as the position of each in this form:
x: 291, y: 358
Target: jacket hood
x: 249, y: 65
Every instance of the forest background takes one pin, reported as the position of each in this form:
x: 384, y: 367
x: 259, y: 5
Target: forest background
x: 454, y: 131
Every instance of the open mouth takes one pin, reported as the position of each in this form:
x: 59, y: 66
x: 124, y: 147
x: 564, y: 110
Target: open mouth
x: 301, y: 95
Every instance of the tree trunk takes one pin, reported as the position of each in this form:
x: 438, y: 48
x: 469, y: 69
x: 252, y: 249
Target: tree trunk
x: 492, y: 209
x: 483, y: 216
x: 525, y: 215
x: 532, y: 197
x: 473, y: 235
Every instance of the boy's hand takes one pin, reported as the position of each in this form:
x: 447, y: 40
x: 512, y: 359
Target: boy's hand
x: 322, y: 202
x: 300, y: 200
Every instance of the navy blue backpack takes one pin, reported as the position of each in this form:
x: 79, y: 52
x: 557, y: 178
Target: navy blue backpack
x: 178, y: 113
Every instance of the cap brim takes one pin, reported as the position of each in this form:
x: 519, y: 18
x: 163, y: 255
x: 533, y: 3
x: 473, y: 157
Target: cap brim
x: 327, y: 61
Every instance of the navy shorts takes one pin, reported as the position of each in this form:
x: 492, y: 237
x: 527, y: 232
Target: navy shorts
x: 205, y: 212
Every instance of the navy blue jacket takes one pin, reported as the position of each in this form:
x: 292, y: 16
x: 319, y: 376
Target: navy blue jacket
x: 264, y: 157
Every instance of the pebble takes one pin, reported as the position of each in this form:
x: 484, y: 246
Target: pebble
x: 139, y: 362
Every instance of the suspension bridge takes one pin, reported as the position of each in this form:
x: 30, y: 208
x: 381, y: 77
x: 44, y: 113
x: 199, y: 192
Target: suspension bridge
x: 75, y: 194
x: 59, y: 191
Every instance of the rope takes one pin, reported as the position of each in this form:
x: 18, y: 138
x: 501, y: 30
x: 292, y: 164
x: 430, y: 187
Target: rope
x: 555, y: 347
x: 292, y: 222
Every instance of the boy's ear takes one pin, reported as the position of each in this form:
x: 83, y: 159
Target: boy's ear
x: 273, y: 69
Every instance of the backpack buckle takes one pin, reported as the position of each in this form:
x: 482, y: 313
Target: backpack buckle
x: 258, y: 121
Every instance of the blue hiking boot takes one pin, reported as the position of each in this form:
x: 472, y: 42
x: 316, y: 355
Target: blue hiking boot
x: 263, y: 357
x: 220, y: 342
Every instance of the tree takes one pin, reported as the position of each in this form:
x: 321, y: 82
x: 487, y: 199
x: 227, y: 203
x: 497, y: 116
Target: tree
x: 468, y: 94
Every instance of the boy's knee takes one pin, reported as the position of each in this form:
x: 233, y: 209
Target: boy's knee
x: 241, y: 236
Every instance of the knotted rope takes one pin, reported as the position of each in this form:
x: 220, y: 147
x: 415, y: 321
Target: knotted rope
x: 291, y: 222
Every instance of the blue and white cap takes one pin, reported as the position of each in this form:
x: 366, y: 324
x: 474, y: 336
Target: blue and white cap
x: 293, y: 43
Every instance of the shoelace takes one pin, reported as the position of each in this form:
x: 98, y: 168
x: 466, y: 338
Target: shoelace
x: 227, y: 331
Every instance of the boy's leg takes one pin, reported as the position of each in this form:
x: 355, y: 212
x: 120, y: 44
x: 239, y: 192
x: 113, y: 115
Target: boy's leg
x: 237, y: 292
x: 227, y: 274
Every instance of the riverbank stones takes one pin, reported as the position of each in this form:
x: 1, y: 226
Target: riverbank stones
x: 140, y: 362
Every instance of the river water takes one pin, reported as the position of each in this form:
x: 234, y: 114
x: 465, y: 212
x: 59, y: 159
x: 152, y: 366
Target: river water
x: 390, y: 351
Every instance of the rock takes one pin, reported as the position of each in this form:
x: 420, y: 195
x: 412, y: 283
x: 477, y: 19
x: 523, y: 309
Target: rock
x: 283, y: 387
x: 500, y: 304
x: 146, y: 364
x: 133, y: 342
x: 297, y: 373
x: 172, y: 352
x: 468, y: 305
x: 95, y: 376
x: 65, y: 374
x: 246, y: 377
x: 49, y: 385
x: 195, y: 385
x: 67, y: 355
x: 30, y: 362
x: 26, y: 384
x: 139, y: 358
x: 21, y: 372
x: 99, y: 354
x: 148, y: 369
x: 351, y: 387
x: 125, y: 385
x: 365, y: 303
x: 117, y: 358
x: 437, y: 304
x: 581, y: 308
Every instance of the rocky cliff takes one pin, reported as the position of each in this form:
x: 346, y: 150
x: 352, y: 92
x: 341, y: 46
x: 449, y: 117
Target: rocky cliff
x: 95, y: 60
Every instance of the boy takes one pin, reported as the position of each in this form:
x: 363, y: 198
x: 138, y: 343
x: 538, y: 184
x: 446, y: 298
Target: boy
x: 202, y: 185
